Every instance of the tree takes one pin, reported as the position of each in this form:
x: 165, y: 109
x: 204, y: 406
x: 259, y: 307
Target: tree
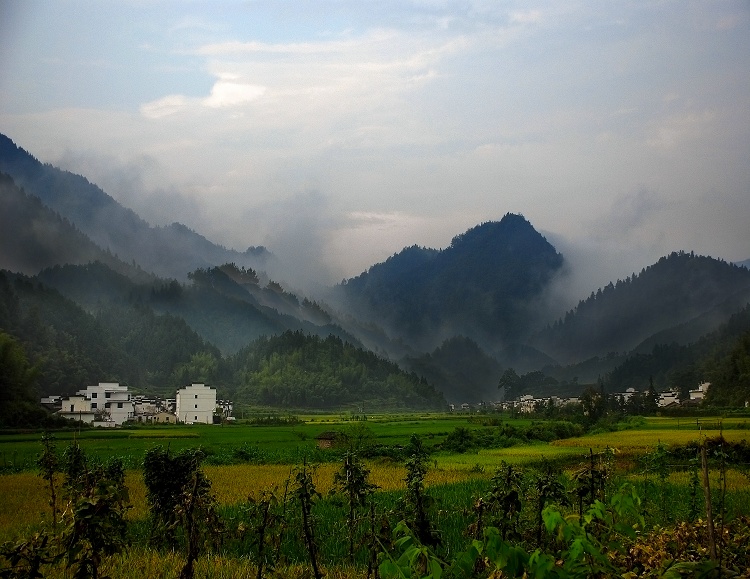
x: 509, y: 384
x: 18, y: 403
x: 593, y: 404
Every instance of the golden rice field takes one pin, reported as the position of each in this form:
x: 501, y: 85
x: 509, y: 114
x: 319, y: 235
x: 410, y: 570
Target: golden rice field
x: 26, y: 494
x: 645, y: 440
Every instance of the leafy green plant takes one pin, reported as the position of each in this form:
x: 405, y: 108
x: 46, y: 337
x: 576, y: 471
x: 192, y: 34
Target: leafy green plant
x: 504, y: 500
x: 306, y: 494
x: 179, y: 496
x: 49, y: 466
x: 196, y: 512
x: 95, y: 513
x: 413, y: 559
x: 416, y: 501
x: 25, y: 558
x: 548, y: 489
x: 264, y: 519
x: 352, y: 481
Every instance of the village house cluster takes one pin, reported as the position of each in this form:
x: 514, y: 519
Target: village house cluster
x: 108, y: 404
x: 527, y: 403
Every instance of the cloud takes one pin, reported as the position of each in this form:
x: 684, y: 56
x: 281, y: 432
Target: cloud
x: 228, y: 92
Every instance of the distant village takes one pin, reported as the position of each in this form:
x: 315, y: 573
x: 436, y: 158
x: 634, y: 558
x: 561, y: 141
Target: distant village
x: 108, y: 404
x: 528, y: 404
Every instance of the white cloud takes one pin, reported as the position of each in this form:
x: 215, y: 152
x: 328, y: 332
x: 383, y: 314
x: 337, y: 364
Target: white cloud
x: 228, y: 92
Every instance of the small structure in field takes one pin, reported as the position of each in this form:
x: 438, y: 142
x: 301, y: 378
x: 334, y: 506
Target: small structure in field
x: 327, y: 439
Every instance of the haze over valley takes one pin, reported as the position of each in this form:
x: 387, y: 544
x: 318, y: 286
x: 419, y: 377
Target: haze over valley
x: 320, y: 204
x: 450, y: 322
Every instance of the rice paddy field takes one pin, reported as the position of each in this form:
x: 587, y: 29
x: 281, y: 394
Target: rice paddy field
x: 455, y: 480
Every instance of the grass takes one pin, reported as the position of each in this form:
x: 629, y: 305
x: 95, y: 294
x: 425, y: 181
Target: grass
x: 19, y: 451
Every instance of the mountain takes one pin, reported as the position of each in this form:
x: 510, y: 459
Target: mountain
x: 170, y: 251
x: 487, y: 285
x: 457, y: 317
x: 678, y: 299
x: 33, y: 237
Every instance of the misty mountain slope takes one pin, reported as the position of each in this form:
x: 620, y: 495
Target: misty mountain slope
x: 678, y: 289
x: 683, y: 367
x: 169, y: 251
x: 230, y: 315
x: 33, y: 237
x: 486, y: 285
x: 460, y: 370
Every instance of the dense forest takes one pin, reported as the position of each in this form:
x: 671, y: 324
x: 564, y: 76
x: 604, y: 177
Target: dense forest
x: 687, y: 293
x: 721, y: 358
x: 460, y: 369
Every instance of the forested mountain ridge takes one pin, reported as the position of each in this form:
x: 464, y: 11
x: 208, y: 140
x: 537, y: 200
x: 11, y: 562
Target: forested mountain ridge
x: 225, y: 313
x: 170, y: 251
x: 71, y: 348
x: 475, y: 306
x: 679, y: 289
x: 487, y: 285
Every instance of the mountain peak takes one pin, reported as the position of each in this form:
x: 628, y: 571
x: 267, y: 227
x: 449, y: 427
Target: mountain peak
x: 481, y: 285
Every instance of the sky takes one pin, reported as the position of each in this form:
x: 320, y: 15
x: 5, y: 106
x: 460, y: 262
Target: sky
x: 338, y: 132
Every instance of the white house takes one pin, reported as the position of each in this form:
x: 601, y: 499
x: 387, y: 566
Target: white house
x: 668, y: 398
x: 106, y: 402
x: 196, y: 404
x: 699, y: 393
x: 77, y: 408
